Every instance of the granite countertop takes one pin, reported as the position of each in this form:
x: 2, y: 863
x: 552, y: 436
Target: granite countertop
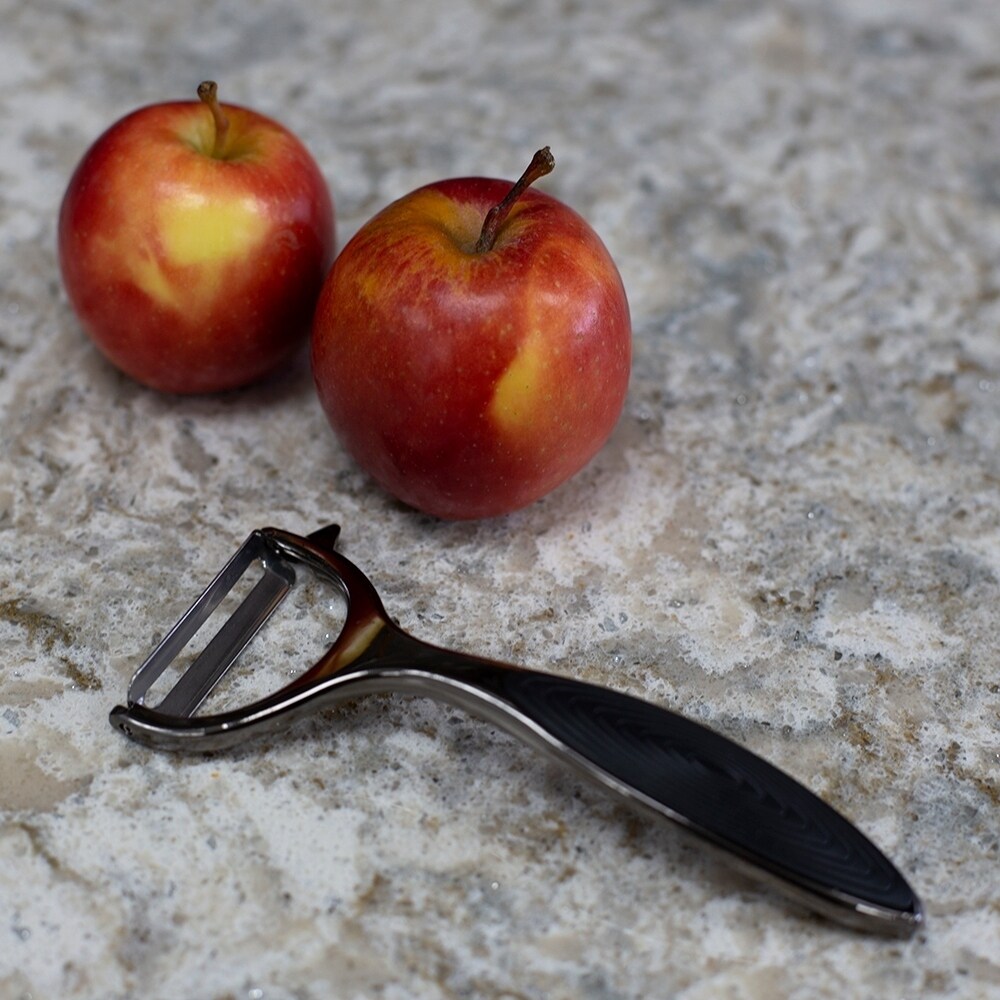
x: 793, y: 536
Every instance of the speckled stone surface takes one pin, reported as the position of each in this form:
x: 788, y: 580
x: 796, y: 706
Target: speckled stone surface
x: 793, y: 536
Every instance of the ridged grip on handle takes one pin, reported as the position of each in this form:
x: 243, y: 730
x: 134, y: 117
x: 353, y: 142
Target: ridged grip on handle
x: 717, y: 788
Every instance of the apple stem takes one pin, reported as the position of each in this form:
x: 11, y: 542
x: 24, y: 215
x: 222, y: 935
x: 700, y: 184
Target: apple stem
x: 209, y: 94
x: 541, y: 164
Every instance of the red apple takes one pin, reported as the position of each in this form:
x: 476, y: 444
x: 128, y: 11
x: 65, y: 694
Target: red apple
x: 193, y: 240
x: 472, y: 345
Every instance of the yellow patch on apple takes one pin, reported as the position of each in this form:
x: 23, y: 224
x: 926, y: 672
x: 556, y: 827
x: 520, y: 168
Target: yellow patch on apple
x: 196, y: 232
x: 519, y: 390
x: 147, y: 274
x: 193, y: 233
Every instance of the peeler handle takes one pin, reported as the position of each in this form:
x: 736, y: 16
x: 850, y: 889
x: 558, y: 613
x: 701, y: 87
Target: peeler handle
x: 690, y: 774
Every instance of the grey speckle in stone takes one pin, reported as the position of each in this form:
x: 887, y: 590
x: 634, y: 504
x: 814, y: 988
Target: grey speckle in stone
x: 793, y: 536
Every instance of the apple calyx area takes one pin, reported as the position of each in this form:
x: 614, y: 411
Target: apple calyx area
x: 541, y: 164
x: 208, y: 93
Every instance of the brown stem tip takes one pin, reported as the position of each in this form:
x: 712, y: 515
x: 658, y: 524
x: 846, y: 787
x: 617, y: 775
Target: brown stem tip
x: 541, y: 164
x: 208, y: 92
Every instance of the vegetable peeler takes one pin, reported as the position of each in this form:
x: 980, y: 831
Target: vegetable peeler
x: 770, y: 825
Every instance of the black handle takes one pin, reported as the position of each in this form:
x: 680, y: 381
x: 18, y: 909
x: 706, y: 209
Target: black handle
x: 710, y: 784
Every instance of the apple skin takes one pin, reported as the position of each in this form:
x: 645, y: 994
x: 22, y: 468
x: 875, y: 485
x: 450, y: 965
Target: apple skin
x: 470, y: 384
x: 193, y: 272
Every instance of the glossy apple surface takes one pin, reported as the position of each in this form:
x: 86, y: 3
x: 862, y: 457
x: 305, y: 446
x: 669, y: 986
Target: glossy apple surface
x: 194, y: 264
x: 470, y: 383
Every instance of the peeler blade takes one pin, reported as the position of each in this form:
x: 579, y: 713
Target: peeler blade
x: 212, y: 663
